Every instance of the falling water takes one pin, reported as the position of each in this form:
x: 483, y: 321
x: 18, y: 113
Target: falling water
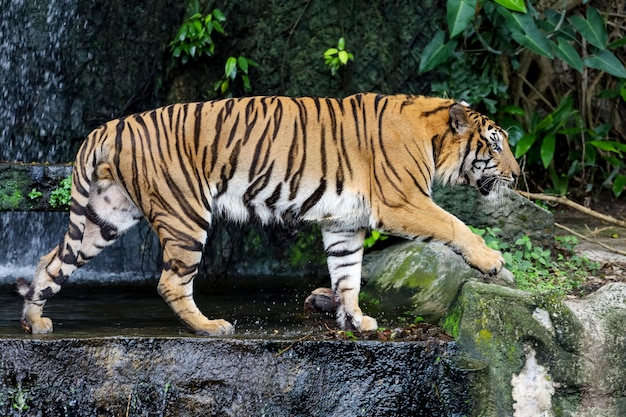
x: 134, y: 257
x: 34, y: 108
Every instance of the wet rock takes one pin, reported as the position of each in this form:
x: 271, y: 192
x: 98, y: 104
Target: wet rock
x: 18, y: 180
x: 544, y: 355
x: 415, y: 279
x: 321, y: 300
x: 513, y: 214
x: 603, y: 351
x: 226, y: 377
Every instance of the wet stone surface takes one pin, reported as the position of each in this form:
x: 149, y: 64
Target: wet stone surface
x: 119, y: 351
x: 215, y: 377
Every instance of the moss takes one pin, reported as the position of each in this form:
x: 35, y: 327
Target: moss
x: 12, y: 186
x: 451, y: 322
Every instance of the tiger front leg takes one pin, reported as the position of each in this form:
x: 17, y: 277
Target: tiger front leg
x: 477, y: 254
x: 345, y: 255
x: 434, y: 223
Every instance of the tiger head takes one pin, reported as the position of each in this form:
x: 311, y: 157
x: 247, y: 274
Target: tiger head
x: 487, y: 161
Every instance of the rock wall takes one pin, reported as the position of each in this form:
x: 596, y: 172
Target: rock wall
x: 229, y: 377
x: 69, y: 65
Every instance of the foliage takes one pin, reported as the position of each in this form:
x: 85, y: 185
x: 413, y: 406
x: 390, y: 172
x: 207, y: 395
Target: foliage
x: 193, y: 38
x: 548, y: 34
x: 235, y: 68
x: 62, y: 195
x: 303, y: 252
x: 490, y: 54
x: 538, y: 269
x: 34, y: 194
x: 585, y: 147
x: 372, y: 238
x: 338, y: 57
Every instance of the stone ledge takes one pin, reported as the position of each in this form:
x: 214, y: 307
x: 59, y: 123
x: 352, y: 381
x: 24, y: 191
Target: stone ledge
x: 17, y: 180
x: 218, y: 377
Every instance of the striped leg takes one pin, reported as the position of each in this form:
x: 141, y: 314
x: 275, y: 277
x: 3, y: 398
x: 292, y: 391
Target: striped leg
x: 345, y: 256
x: 182, y: 252
x: 108, y: 215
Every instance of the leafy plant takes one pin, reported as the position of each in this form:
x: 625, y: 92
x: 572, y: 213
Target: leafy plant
x: 194, y: 37
x: 19, y: 399
x: 338, y: 57
x: 235, y: 68
x: 34, y: 194
x: 549, y: 34
x: 489, y: 49
x: 372, y: 238
x: 537, y: 269
x: 565, y: 127
x: 62, y: 195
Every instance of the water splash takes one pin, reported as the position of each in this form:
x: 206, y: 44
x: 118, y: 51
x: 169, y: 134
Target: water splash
x: 33, y: 103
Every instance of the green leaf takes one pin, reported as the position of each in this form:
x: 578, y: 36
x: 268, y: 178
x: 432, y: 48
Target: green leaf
x: 524, y: 144
x: 459, y: 14
x: 246, y: 83
x: 593, y: 29
x: 618, y: 43
x: 606, y: 145
x: 568, y: 54
x: 436, y: 52
x: 515, y: 5
x: 547, y: 149
x: 230, y: 69
x: 343, y: 57
x: 525, y: 32
x: 619, y: 184
x: 511, y: 109
x: 330, y: 52
x: 341, y: 44
x: 218, y: 27
x: 243, y: 64
x: 545, y: 123
x: 217, y: 13
x: 607, y: 62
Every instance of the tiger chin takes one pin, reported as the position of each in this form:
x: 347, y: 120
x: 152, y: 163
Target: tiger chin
x: 363, y: 162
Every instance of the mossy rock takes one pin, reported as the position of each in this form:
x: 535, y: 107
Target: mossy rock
x: 512, y: 330
x: 17, y: 181
x: 413, y: 279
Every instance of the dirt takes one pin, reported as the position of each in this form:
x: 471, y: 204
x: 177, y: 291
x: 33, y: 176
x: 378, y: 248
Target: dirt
x: 602, y: 242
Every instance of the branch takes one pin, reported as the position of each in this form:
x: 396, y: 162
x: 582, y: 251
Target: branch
x: 595, y: 242
x: 570, y: 203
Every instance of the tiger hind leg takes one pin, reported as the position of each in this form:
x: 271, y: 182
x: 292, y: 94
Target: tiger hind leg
x: 93, y: 226
x: 181, y: 258
x: 345, y: 255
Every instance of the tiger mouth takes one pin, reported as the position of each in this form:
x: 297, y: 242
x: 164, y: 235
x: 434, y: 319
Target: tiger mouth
x: 487, y: 185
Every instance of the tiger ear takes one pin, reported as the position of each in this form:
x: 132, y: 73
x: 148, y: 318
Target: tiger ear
x: 458, y: 119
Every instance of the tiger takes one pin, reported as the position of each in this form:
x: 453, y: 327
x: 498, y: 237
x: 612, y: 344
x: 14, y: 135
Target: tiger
x: 354, y: 164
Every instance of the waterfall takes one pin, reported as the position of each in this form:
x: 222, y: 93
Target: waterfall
x: 34, y: 107
x: 133, y: 257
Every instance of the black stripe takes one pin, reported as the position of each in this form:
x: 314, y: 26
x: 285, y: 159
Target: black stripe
x: 435, y: 110
x: 313, y: 198
x: 342, y: 252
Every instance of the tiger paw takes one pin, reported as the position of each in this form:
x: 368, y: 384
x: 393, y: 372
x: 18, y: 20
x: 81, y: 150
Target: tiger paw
x: 368, y: 324
x: 215, y: 328
x: 41, y: 325
x: 486, y: 260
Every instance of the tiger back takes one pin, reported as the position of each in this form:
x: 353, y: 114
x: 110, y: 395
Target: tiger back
x: 364, y: 162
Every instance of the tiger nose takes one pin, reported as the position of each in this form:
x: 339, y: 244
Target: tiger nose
x: 515, y: 173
